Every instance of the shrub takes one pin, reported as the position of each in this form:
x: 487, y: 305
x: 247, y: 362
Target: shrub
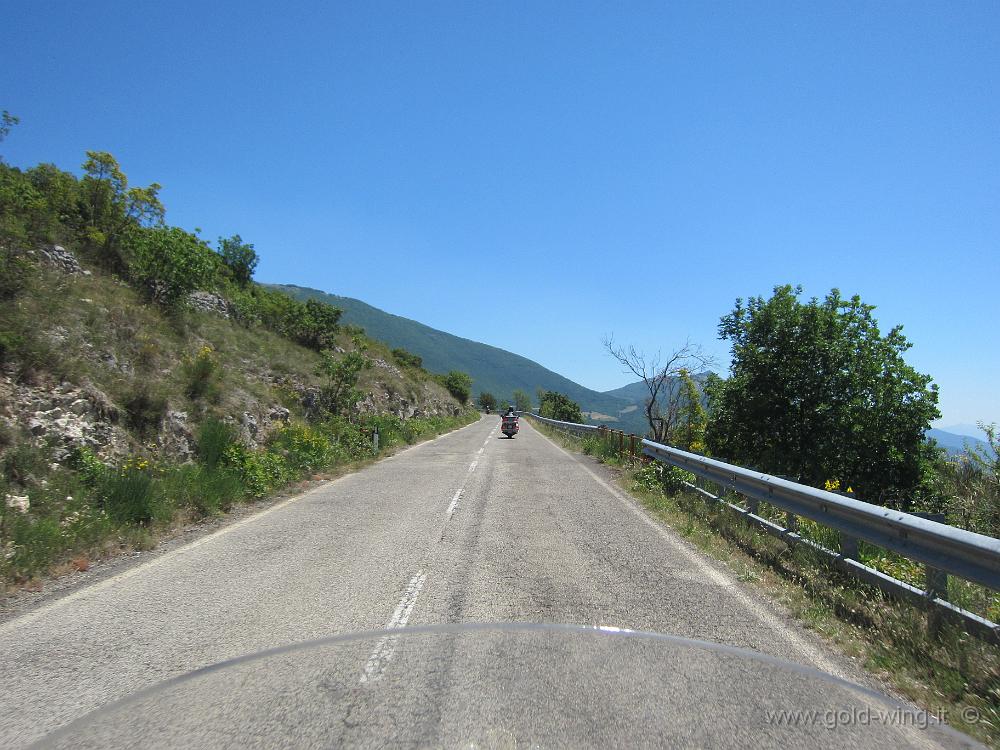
x: 303, y: 447
x: 201, y: 375
x: 407, y: 359
x: 673, y: 479
x: 214, y: 440
x: 215, y: 490
x: 88, y: 466
x: 649, y: 478
x: 23, y: 460
x: 127, y: 494
x: 459, y: 385
x: 340, y: 394
x: 169, y: 263
x: 351, y: 441
x: 247, y: 307
x: 391, y: 429
x: 144, y: 410
x: 259, y: 471
x: 35, y: 542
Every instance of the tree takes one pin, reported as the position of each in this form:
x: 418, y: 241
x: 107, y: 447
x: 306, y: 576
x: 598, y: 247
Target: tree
x: 557, y: 406
x: 239, y: 257
x: 7, y: 122
x: 313, y: 324
x: 340, y: 394
x: 459, y: 385
x: 663, y: 378
x: 487, y: 401
x: 693, y: 415
x: 816, y: 393
x: 522, y: 401
x: 169, y: 263
x: 109, y: 207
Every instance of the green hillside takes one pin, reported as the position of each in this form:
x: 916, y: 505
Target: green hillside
x: 492, y: 369
x: 146, y: 381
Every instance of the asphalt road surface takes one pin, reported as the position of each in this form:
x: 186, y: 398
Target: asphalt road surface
x: 468, y: 528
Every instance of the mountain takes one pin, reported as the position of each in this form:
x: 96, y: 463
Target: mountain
x: 954, y: 443
x: 492, y: 369
x: 965, y: 429
x: 634, y: 393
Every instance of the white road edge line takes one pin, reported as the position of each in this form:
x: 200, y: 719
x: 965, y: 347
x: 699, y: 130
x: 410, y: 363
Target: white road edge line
x: 382, y: 653
x: 773, y: 622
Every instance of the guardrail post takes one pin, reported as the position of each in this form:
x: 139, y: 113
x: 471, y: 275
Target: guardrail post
x: 848, y: 546
x: 936, y: 583
x: 791, y: 522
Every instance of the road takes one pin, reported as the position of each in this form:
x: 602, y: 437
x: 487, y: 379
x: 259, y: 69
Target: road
x: 468, y: 528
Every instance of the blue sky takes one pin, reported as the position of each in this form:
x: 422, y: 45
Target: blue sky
x: 631, y: 168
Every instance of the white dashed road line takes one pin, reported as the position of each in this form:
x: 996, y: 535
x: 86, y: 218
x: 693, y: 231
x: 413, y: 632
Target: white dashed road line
x: 383, y: 651
x: 454, y: 503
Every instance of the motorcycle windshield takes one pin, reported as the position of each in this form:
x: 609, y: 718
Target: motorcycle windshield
x: 506, y: 686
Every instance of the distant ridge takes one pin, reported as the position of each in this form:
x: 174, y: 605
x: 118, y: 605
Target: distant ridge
x: 492, y: 369
x: 955, y: 444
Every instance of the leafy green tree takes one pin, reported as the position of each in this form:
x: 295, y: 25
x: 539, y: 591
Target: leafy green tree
x: 109, y: 207
x: 169, y: 263
x: 23, y: 209
x: 61, y: 191
x: 315, y: 324
x: 459, y: 385
x: 487, y: 401
x: 340, y: 394
x: 239, y: 257
x: 817, y: 393
x: 557, y: 406
x: 522, y: 401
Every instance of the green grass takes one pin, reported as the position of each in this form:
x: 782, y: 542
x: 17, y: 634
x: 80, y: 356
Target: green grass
x: 950, y: 670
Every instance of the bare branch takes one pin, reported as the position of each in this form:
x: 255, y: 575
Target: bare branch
x: 661, y: 378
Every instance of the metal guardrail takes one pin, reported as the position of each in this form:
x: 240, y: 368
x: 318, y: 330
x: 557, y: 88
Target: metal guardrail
x: 943, y: 549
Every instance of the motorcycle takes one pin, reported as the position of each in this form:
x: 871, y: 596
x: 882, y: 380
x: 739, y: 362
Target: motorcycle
x: 509, y: 425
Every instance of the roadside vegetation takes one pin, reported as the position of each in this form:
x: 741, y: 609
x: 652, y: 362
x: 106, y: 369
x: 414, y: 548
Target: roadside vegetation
x: 147, y: 381
x: 85, y: 508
